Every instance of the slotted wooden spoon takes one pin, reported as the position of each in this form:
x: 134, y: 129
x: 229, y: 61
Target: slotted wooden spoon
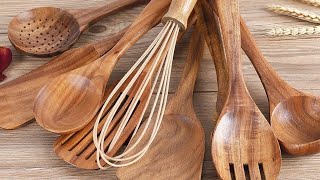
x: 48, y: 31
x: 178, y: 149
x: 79, y: 149
x: 70, y: 101
x: 295, y: 115
x: 243, y: 144
x: 17, y: 96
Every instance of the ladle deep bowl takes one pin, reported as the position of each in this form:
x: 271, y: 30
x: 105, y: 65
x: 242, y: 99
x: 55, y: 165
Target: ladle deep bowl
x: 48, y: 31
x: 295, y: 116
x: 296, y: 123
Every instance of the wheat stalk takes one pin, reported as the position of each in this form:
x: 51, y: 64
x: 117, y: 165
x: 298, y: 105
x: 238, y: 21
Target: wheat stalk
x: 311, y: 2
x: 296, y: 13
x: 294, y: 31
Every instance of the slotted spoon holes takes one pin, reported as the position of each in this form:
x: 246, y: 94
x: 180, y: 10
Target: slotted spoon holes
x: 42, y: 26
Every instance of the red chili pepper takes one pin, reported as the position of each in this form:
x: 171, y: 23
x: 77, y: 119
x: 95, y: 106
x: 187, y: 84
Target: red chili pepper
x: 5, y: 60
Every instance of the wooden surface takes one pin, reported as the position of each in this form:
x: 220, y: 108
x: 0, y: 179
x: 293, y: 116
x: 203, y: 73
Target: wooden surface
x: 27, y: 152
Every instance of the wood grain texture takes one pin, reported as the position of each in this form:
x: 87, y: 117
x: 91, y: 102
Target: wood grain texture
x: 27, y: 153
x: 49, y: 31
x: 79, y: 149
x: 179, y: 12
x: 17, y: 96
x: 295, y: 115
x: 67, y: 103
x: 243, y: 144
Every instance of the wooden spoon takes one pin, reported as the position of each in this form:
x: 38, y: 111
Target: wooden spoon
x: 17, y: 96
x: 295, y: 116
x: 48, y: 31
x: 78, y: 148
x: 70, y: 101
x: 243, y: 144
x: 178, y: 149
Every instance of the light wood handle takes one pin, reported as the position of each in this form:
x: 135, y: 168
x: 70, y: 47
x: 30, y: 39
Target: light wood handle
x: 179, y: 12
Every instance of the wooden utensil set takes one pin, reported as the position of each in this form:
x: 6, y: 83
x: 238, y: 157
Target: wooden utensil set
x: 103, y: 125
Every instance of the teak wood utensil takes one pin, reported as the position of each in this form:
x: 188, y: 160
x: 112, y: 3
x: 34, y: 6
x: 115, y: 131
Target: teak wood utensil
x: 295, y: 115
x: 17, y: 96
x: 175, y: 19
x: 78, y: 148
x: 70, y: 101
x: 178, y: 150
x: 209, y: 27
x: 243, y: 144
x: 49, y: 31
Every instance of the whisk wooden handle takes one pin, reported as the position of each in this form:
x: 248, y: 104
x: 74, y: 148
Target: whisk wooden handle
x: 179, y: 12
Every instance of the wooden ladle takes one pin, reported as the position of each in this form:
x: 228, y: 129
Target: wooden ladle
x: 48, y: 31
x: 243, y: 144
x: 17, y: 96
x: 295, y: 116
x: 69, y: 102
x: 178, y: 149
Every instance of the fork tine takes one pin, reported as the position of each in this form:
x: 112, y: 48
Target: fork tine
x: 239, y: 171
x: 254, y: 171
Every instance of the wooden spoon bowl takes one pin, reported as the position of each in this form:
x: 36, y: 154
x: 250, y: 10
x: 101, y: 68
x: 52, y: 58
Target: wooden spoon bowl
x: 86, y: 99
x: 75, y: 102
x: 296, y: 123
x: 44, y: 30
x: 48, y: 31
x: 178, y: 148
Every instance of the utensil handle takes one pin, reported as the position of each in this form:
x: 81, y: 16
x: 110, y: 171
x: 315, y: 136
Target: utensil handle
x: 104, y: 45
x: 148, y: 18
x: 277, y: 89
x: 91, y: 16
x: 179, y: 12
x: 210, y: 29
x: 184, y: 92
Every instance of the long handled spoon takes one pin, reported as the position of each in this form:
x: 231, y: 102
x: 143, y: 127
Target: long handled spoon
x: 70, y: 101
x: 49, y: 31
x: 79, y: 149
x: 243, y: 144
x: 178, y: 149
x: 17, y: 96
x: 295, y: 116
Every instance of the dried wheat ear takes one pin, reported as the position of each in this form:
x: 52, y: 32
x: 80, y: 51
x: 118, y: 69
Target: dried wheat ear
x: 294, y: 31
x: 296, y: 13
x: 311, y: 2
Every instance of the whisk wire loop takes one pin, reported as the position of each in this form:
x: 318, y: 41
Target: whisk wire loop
x: 159, y: 56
